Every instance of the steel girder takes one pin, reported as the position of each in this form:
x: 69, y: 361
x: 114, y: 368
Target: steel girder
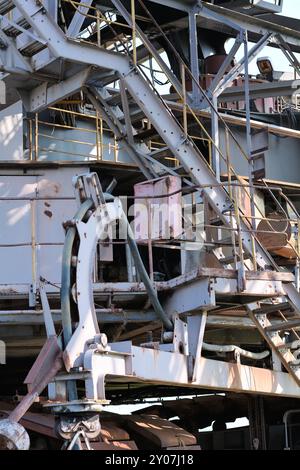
x: 137, y: 364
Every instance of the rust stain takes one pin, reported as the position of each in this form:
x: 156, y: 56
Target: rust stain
x: 48, y: 188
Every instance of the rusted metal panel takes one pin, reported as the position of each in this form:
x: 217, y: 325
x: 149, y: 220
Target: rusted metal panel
x: 112, y: 431
x: 47, y: 356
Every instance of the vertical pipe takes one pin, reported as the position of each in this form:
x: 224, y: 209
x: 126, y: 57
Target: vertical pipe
x: 297, y: 275
x: 215, y: 139
x: 232, y: 232
x: 97, y: 136
x: 36, y: 136
x: 185, y: 122
x: 210, y: 153
x: 33, y: 243
x: 297, y: 267
x: 133, y: 31
x: 98, y: 29
x: 115, y: 149
x: 129, y: 263
x: 228, y: 161
x: 30, y: 138
x: 241, y: 270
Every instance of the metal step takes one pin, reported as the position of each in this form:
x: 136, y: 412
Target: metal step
x: 114, y: 100
x: 32, y: 48
x: 12, y: 31
x: 224, y: 242
x: 158, y: 152
x: 6, y: 6
x: 231, y: 259
x: 273, y: 308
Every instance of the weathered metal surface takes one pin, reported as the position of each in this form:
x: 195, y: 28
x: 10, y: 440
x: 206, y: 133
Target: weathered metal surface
x: 40, y: 423
x: 48, y: 363
x: 160, y: 432
x: 112, y: 431
x: 169, y: 368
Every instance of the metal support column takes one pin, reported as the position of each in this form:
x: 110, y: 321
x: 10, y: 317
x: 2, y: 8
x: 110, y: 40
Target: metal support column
x: 257, y: 427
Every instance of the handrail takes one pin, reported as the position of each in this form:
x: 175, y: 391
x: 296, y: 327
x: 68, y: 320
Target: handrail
x: 131, y: 20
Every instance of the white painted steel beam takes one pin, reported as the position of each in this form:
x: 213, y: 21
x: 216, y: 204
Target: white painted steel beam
x: 136, y: 364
